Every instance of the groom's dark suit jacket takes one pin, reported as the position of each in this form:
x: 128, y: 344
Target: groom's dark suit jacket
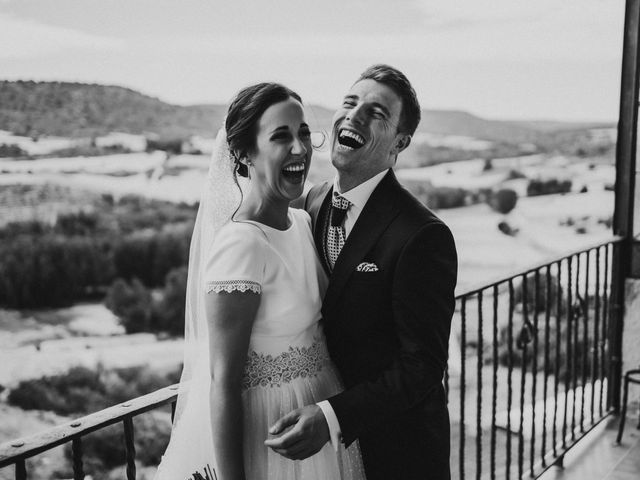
x: 388, y: 331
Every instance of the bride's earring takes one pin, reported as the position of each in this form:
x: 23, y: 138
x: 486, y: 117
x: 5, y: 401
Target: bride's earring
x: 249, y: 165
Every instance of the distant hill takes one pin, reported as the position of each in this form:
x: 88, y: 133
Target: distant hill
x: 555, y: 126
x: 454, y: 122
x: 79, y: 110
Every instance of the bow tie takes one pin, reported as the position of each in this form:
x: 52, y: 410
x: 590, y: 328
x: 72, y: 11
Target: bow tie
x: 339, y: 207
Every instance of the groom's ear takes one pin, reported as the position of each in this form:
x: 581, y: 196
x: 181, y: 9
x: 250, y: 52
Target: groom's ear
x: 403, y: 140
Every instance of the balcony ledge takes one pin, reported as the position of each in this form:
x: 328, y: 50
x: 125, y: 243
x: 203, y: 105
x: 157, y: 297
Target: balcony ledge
x: 598, y: 457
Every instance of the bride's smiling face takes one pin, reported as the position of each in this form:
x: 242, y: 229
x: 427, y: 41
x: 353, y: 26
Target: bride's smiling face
x: 282, y: 155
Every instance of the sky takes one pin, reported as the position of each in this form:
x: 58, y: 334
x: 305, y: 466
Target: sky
x: 502, y: 59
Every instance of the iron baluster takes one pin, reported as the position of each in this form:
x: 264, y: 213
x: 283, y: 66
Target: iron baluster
x: 479, y: 392
x: 604, y: 364
x: 509, y: 375
x: 534, y: 368
x: 494, y: 387
x: 545, y: 366
x: 556, y: 369
x: 130, y: 448
x: 575, y: 324
x: 463, y: 346
x: 523, y: 341
x: 76, y: 453
x: 596, y: 374
x: 21, y: 470
x: 585, y: 339
x: 567, y: 375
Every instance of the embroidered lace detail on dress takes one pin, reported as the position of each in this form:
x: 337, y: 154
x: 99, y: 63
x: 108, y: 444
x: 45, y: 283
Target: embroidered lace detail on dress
x: 233, y: 286
x: 268, y: 371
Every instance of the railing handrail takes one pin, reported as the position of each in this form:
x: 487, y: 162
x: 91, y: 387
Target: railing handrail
x: 26, y: 447
x: 515, y: 273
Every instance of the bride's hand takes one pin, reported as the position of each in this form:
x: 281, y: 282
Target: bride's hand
x: 307, y: 434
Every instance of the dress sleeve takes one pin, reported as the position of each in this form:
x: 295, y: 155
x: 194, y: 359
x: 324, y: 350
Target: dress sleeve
x: 237, y: 261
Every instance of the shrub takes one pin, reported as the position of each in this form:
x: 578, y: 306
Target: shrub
x: 29, y: 227
x: 507, y: 229
x: 168, y: 312
x: 51, y: 270
x: 77, y: 224
x: 547, y: 187
x: 12, y: 151
x: 447, y: 197
x: 606, y: 221
x: 151, y: 256
x: 171, y: 146
x: 82, y: 390
x: 539, y: 303
x: 139, y: 312
x: 504, y: 200
x: 442, y: 197
x: 131, y: 302
x: 104, y: 449
x: 515, y: 174
x: 46, y: 265
x: 565, y: 364
x: 126, y: 383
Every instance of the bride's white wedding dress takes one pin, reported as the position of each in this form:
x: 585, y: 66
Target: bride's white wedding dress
x: 288, y: 365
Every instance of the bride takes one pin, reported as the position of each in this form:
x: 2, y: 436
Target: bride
x: 254, y: 346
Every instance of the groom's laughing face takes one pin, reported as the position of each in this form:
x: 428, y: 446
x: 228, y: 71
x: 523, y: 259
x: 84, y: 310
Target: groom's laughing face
x: 365, y: 138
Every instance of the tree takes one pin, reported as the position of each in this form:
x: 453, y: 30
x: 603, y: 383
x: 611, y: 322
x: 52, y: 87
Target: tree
x: 546, y: 187
x: 80, y: 390
x: 131, y: 303
x: 169, y: 311
x: 537, y: 298
x: 51, y: 270
x: 504, y: 200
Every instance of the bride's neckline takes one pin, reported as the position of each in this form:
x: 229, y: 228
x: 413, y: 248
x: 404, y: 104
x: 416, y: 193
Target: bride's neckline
x: 269, y: 227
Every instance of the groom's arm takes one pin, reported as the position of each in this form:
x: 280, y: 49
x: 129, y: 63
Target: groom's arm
x: 423, y: 303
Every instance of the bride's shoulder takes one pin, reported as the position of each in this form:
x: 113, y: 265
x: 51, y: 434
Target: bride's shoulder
x: 241, y: 235
x: 239, y: 252
x: 300, y: 216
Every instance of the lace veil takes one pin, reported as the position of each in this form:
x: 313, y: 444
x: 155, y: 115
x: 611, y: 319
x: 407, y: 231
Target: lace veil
x: 190, y: 451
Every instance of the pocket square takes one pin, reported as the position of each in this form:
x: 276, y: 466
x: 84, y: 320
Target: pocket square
x: 367, y: 267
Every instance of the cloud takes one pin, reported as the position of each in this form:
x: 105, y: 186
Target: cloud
x: 21, y: 38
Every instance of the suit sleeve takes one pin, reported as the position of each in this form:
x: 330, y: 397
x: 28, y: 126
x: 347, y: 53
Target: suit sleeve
x: 423, y: 302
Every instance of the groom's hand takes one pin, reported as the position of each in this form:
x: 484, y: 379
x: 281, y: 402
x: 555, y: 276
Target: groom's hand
x: 308, y: 433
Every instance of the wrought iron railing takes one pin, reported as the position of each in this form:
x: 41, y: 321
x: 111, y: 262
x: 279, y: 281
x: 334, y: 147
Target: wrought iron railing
x: 16, y: 452
x: 534, y: 365
x: 527, y: 379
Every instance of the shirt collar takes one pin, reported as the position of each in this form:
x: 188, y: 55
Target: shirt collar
x: 359, y: 195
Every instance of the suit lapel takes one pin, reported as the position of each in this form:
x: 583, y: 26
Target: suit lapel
x: 377, y: 214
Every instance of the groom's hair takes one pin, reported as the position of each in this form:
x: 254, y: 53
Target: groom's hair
x: 398, y: 82
x: 245, y: 112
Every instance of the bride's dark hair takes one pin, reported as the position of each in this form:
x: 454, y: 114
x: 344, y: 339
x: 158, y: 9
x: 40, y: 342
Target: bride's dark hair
x: 244, y: 113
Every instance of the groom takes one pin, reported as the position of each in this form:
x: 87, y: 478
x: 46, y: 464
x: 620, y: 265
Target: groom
x: 387, y: 311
